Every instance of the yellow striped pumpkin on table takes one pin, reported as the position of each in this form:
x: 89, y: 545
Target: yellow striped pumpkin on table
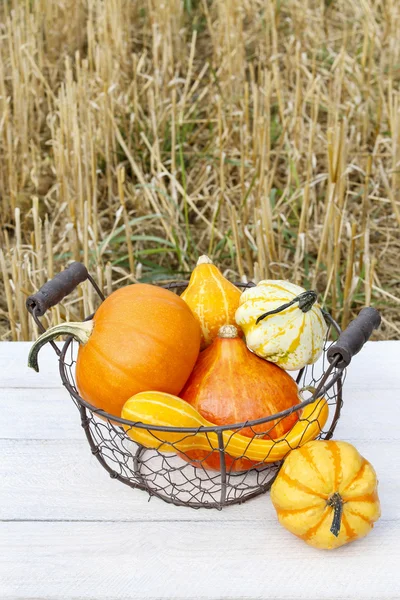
x: 212, y: 299
x: 282, y: 323
x: 326, y: 494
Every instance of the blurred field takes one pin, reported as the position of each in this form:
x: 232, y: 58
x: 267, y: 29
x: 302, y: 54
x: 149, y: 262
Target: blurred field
x: 137, y: 135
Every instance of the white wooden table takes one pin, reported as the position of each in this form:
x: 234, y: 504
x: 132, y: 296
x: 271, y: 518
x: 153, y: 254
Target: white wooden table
x: 68, y: 531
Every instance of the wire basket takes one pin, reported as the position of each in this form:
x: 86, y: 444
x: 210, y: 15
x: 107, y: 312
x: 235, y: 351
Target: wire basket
x: 186, y: 479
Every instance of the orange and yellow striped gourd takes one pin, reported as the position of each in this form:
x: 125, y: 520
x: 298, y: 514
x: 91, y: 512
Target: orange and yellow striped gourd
x: 159, y: 409
x: 212, y: 298
x: 326, y: 494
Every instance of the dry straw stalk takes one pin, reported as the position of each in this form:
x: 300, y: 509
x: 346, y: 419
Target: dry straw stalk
x: 135, y: 136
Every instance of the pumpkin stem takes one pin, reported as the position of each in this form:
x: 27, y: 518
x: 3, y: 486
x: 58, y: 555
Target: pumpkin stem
x: 81, y: 332
x: 204, y: 260
x: 336, y: 502
x: 306, y: 301
x: 228, y: 331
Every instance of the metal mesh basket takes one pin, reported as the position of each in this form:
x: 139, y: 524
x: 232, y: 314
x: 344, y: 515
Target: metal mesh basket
x: 214, y: 478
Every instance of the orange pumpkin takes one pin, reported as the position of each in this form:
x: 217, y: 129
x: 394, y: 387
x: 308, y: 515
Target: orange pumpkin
x: 212, y: 299
x: 326, y: 494
x: 141, y: 337
x: 230, y: 384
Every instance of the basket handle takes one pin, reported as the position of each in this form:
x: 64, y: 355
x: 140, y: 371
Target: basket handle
x: 353, y: 338
x: 54, y: 290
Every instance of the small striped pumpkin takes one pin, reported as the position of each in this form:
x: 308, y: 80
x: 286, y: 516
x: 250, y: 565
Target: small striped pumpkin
x: 292, y: 329
x: 326, y: 494
x: 212, y: 299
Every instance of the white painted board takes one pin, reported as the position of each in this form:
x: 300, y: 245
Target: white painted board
x: 191, y: 561
x: 68, y: 531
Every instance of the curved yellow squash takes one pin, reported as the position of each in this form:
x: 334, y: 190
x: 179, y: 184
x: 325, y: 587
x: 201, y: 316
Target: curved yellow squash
x: 326, y: 494
x: 158, y: 408
x: 292, y: 330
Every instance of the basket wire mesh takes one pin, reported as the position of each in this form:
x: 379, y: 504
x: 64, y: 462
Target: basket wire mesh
x: 180, y: 478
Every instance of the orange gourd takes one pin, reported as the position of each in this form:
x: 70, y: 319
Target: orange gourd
x: 141, y: 337
x: 212, y: 299
x: 326, y: 494
x: 229, y: 384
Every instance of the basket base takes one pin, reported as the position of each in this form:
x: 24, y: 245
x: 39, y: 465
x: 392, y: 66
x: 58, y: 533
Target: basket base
x: 168, y: 476
x: 178, y: 482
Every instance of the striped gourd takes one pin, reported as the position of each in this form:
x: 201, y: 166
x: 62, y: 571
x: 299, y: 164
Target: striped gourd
x: 326, y: 494
x: 212, y: 299
x: 159, y: 409
x: 282, y: 323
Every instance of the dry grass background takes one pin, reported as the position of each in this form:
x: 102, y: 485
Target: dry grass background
x: 136, y: 135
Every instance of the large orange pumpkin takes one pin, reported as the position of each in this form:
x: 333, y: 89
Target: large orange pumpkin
x: 230, y: 384
x: 141, y: 337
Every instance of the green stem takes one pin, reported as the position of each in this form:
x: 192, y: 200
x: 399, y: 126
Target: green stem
x: 81, y: 332
x: 337, y: 503
x: 306, y: 301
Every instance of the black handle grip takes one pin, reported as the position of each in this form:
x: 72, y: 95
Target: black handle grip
x: 57, y: 288
x: 353, y: 338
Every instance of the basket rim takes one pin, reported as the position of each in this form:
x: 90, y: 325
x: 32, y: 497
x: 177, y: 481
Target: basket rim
x: 319, y: 392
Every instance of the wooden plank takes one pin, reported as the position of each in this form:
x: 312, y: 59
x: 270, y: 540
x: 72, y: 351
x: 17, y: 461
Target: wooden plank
x: 39, y: 414
x: 51, y: 414
x: 376, y: 366
x: 136, y: 549
x: 191, y: 561
x: 50, y: 480
x: 61, y: 480
x: 14, y: 370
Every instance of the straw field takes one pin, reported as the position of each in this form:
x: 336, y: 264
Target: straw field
x: 136, y: 135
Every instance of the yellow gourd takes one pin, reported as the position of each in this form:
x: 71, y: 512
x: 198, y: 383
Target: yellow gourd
x: 160, y: 409
x: 282, y: 323
x: 326, y: 494
x: 212, y: 299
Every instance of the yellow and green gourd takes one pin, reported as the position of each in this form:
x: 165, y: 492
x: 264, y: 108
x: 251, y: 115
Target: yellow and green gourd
x: 282, y: 323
